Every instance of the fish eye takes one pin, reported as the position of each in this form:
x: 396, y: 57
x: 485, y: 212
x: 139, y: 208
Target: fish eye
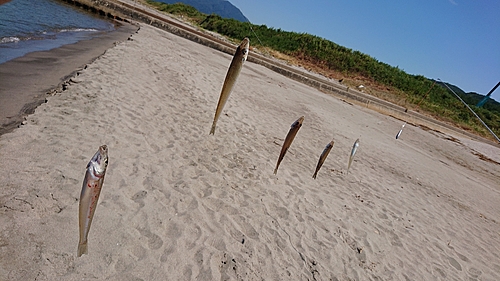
x: 244, y: 51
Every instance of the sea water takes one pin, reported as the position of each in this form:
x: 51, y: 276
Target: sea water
x: 38, y: 25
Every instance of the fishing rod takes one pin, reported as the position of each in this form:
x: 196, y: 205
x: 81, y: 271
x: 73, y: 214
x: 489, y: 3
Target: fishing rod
x: 418, y: 105
x: 485, y: 99
x: 263, y: 49
x: 484, y: 124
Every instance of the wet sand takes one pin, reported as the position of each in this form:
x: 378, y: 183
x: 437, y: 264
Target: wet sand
x: 25, y: 81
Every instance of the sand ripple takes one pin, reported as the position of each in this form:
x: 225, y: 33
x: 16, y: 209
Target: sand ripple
x: 178, y: 204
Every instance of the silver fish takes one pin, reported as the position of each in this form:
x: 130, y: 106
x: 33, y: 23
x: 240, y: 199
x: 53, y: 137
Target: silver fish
x: 92, y: 184
x: 232, y: 74
x: 353, y: 151
x: 322, y: 157
x: 288, y: 140
x: 400, y: 131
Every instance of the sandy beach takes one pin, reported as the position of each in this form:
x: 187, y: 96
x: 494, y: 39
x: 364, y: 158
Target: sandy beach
x: 26, y: 81
x: 180, y: 204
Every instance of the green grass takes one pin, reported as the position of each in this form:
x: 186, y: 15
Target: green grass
x: 329, y: 56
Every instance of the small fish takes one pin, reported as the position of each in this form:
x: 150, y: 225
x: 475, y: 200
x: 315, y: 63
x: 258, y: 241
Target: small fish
x: 322, y: 157
x: 400, y: 131
x: 92, y: 184
x: 353, y: 151
x: 288, y: 140
x: 232, y: 74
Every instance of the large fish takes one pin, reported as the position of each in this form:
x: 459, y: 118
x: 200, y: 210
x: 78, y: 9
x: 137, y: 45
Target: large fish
x: 288, y: 140
x: 322, y: 158
x: 400, y: 131
x: 353, y: 151
x: 232, y: 74
x: 92, y: 184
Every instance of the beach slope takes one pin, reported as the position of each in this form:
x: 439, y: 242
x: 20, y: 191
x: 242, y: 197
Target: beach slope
x: 26, y: 81
x: 180, y: 204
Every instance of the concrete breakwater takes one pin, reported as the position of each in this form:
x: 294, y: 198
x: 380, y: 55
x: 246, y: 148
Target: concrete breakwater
x: 125, y: 10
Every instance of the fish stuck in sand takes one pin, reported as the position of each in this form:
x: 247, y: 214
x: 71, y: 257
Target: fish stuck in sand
x: 92, y: 184
x: 322, y: 157
x: 232, y: 74
x: 288, y: 140
x: 353, y: 151
x: 400, y: 131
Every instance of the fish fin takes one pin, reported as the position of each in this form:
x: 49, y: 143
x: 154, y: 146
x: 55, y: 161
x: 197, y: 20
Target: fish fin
x: 82, y: 249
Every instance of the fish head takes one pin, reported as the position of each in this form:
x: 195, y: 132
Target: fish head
x: 99, y: 162
x: 298, y: 122
x: 243, y: 48
x: 355, y: 145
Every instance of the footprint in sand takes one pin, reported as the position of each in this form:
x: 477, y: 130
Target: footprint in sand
x: 474, y: 273
x: 437, y: 270
x: 154, y: 241
x: 138, y: 198
x: 173, y: 233
x: 455, y: 264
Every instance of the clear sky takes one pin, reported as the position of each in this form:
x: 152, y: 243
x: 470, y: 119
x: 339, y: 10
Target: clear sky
x: 457, y: 41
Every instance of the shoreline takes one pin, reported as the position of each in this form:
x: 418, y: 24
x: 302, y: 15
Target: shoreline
x: 127, y: 9
x: 28, y: 80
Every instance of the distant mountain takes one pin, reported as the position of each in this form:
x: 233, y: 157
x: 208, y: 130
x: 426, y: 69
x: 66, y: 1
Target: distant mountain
x: 222, y: 8
x: 473, y: 98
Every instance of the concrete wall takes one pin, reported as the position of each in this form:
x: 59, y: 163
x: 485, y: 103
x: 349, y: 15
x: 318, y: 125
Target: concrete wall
x: 130, y: 10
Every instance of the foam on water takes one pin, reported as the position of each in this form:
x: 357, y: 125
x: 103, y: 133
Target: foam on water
x: 37, y: 25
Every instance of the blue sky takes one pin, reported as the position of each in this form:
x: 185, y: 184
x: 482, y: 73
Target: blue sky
x: 457, y: 41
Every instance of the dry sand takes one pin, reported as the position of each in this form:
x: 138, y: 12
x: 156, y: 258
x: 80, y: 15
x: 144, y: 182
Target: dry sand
x: 180, y: 204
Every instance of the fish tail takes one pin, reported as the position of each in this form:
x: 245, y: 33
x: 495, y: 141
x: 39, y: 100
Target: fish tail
x: 275, y: 170
x: 82, y: 249
x: 212, y: 131
x: 314, y: 176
